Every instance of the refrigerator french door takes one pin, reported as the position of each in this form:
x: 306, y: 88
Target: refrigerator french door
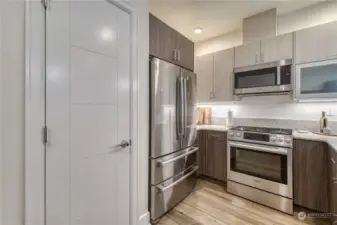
x: 173, y: 153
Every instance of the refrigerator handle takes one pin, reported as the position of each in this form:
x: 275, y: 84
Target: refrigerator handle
x: 185, y: 105
x: 180, y: 107
x: 182, y: 102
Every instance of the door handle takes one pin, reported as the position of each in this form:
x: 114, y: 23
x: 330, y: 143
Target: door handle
x: 333, y: 161
x: 123, y: 144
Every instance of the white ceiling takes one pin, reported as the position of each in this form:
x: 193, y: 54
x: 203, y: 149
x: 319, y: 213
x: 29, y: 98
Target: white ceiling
x: 216, y: 17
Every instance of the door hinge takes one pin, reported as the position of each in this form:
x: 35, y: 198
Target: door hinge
x: 45, y: 3
x: 45, y: 135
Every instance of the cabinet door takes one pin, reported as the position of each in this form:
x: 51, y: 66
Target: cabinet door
x: 316, y: 43
x: 163, y: 40
x: 311, y: 175
x: 247, y: 55
x: 277, y: 48
x: 167, y: 42
x: 154, y: 35
x: 202, y: 152
x: 333, y: 183
x: 223, y: 75
x: 204, y: 71
x: 216, y: 155
x: 185, y: 52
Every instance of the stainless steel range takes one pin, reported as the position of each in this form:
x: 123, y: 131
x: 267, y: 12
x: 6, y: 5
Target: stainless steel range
x: 259, y: 165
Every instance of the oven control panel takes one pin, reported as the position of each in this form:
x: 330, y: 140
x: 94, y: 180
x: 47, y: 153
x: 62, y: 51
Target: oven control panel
x: 261, y: 138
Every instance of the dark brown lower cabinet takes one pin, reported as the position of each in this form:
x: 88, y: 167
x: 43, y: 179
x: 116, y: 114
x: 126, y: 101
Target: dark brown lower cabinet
x: 332, y: 162
x: 202, y: 152
x: 212, y: 154
x: 311, y: 175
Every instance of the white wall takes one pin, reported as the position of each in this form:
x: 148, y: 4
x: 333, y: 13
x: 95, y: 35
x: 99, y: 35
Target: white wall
x: 277, y: 110
x: 143, y: 110
x: 307, y: 17
x: 218, y: 43
x: 12, y: 114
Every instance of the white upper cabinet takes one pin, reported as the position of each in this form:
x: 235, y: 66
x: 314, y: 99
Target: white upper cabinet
x: 277, y: 48
x: 247, y: 54
x: 223, y: 75
x: 316, y: 43
x: 205, y: 71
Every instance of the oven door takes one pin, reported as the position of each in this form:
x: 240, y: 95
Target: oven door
x: 268, y: 168
x: 255, y: 81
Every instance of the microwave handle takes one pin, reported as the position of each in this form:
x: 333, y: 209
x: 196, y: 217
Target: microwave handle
x: 278, y: 75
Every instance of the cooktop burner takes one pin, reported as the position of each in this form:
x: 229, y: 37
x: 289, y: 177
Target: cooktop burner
x: 264, y: 130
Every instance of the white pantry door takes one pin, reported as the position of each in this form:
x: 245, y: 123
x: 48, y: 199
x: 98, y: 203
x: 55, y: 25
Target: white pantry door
x: 87, y: 113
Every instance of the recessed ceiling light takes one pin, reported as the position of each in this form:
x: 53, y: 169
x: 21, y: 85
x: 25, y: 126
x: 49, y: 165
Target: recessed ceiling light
x: 197, y: 30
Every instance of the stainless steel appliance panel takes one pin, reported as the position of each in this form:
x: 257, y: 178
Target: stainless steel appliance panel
x: 278, y: 188
x: 190, y: 101
x: 168, y: 166
x: 164, y: 84
x: 274, y: 201
x: 166, y: 195
x: 274, y: 77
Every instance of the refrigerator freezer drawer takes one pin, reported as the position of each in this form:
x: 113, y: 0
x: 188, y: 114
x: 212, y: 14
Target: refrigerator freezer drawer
x: 166, y: 195
x: 168, y: 166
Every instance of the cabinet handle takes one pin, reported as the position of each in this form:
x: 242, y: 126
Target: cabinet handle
x: 256, y: 58
x: 333, y: 161
x: 178, y: 55
x: 216, y: 136
x: 334, y: 178
x: 210, y: 95
x: 214, y: 96
x: 262, y: 57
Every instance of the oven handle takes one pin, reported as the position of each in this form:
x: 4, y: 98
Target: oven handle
x: 260, y: 148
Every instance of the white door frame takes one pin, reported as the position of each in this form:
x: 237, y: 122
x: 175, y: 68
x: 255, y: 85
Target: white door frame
x: 35, y: 111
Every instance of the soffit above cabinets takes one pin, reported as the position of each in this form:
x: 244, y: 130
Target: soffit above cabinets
x: 216, y: 17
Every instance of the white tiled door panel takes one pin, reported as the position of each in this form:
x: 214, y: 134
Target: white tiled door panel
x: 93, y: 130
x: 93, y: 77
x: 91, y: 179
x: 87, y: 114
x: 94, y: 26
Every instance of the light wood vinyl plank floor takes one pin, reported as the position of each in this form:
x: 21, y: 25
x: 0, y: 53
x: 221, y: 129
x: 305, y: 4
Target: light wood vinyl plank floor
x: 210, y: 204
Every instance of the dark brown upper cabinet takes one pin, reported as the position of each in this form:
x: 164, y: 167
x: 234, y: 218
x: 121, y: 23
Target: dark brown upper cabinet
x: 311, y: 177
x: 169, y: 45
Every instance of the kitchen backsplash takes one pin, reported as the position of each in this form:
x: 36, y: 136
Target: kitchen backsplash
x: 304, y: 116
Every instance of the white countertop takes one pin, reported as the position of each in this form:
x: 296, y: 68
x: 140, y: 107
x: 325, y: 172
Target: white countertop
x: 212, y: 127
x: 330, y: 140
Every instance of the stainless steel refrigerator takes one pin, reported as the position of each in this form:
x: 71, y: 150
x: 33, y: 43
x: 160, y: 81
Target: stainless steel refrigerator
x: 173, y: 152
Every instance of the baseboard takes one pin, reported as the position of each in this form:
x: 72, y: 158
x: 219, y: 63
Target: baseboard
x: 144, y: 219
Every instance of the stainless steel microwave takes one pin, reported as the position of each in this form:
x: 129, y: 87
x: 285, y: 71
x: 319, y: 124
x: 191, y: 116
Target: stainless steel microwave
x: 274, y: 77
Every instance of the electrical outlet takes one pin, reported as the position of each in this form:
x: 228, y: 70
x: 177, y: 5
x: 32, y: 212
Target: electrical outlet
x: 329, y: 113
